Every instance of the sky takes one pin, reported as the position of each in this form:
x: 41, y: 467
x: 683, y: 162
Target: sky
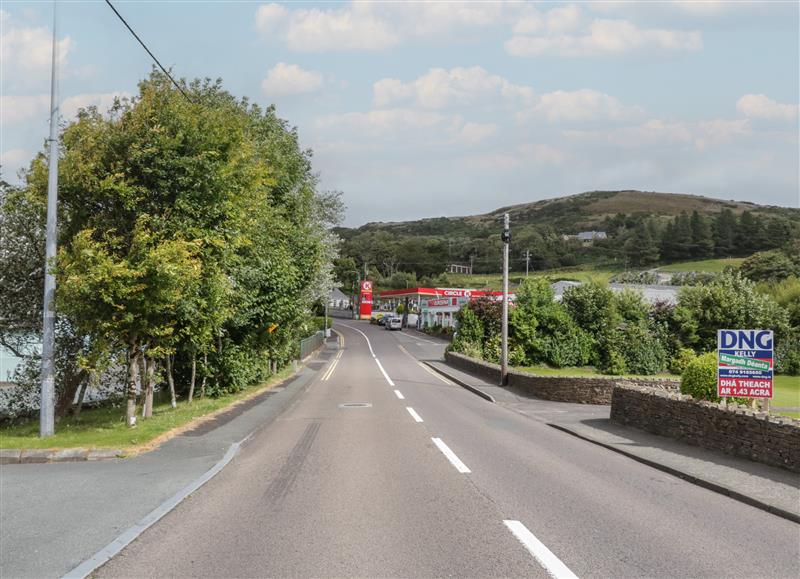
x: 424, y: 109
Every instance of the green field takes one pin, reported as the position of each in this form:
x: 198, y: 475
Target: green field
x: 104, y: 427
x: 494, y: 281
x: 705, y: 265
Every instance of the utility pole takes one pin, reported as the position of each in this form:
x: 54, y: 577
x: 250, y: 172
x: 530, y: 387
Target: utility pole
x: 506, y: 237
x: 47, y: 411
x: 527, y: 261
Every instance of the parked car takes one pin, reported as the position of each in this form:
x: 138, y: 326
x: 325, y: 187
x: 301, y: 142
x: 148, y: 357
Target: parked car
x: 382, y: 319
x: 394, y: 323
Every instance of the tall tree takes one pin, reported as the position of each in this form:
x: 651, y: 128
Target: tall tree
x: 702, y: 236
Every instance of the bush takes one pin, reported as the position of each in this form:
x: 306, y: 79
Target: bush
x: 699, y: 379
x: 730, y: 301
x: 641, y: 349
x: 787, y: 354
x: 681, y: 360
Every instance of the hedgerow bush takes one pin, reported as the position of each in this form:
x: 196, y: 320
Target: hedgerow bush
x: 681, y: 360
x: 642, y: 350
x: 699, y: 379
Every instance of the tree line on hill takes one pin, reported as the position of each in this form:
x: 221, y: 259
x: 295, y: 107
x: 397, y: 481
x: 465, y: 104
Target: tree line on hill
x: 633, y: 240
x: 192, y: 236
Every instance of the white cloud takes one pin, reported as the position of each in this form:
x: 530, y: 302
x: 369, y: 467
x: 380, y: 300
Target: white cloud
x: 372, y: 25
x: 315, y: 30
x: 580, y: 106
x: 12, y: 161
x: 440, y: 88
x: 658, y: 133
x: 17, y: 110
x: 474, y: 133
x: 759, y: 106
x: 564, y: 18
x: 605, y: 37
x: 27, y: 53
x: 289, y: 79
x: 385, y: 122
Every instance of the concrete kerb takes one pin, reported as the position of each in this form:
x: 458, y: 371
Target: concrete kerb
x: 712, y: 486
x: 461, y: 383
x: 105, y: 554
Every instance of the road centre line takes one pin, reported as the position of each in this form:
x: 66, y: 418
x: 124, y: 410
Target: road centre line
x: 371, y: 351
x: 414, y: 414
x: 385, y: 375
x: 552, y: 564
x: 399, y: 395
x: 369, y: 345
x: 451, y: 456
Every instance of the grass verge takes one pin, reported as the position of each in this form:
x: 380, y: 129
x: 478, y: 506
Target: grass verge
x: 705, y: 265
x: 104, y: 426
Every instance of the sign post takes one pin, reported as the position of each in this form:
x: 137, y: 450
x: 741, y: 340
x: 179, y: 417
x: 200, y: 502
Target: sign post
x: 365, y: 301
x: 745, y: 364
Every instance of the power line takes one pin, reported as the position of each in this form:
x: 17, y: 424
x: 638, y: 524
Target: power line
x: 153, y: 56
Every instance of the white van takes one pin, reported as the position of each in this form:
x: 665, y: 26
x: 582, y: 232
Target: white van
x: 394, y: 323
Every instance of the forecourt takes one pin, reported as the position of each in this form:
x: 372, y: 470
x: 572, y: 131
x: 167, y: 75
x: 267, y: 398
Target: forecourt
x: 431, y: 480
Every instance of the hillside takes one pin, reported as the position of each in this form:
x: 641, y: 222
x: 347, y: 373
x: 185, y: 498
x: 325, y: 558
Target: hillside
x: 643, y: 229
x: 574, y: 213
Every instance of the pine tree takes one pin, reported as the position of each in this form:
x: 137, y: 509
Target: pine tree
x: 724, y: 233
x: 683, y: 237
x: 702, y: 239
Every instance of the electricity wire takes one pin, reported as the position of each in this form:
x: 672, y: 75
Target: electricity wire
x: 153, y: 56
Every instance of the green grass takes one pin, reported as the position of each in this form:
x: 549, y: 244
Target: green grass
x: 494, y: 281
x: 786, y: 392
x: 705, y: 265
x: 104, y: 427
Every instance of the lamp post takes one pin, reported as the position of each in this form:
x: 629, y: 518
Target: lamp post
x: 47, y: 410
x: 506, y: 237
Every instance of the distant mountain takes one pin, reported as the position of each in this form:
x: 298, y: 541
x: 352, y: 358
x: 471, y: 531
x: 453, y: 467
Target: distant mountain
x: 573, y: 213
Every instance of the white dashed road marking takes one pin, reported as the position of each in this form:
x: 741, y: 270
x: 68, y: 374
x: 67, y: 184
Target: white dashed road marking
x: 451, y: 456
x: 399, y: 395
x: 414, y: 414
x: 552, y: 564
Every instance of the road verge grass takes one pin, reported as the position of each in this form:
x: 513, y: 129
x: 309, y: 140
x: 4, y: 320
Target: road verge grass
x: 104, y: 426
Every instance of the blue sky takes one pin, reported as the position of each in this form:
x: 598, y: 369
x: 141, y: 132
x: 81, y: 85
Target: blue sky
x: 452, y: 108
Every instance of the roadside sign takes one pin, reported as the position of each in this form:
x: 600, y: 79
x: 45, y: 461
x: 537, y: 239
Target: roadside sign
x: 745, y: 363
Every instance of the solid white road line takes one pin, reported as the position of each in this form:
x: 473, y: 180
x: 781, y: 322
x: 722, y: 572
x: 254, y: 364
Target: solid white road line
x: 451, y: 456
x: 414, y: 414
x: 371, y: 351
x: 399, y: 395
x: 385, y: 375
x: 369, y: 345
x: 551, y: 563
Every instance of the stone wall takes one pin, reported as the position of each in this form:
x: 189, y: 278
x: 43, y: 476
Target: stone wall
x: 735, y: 430
x: 578, y: 389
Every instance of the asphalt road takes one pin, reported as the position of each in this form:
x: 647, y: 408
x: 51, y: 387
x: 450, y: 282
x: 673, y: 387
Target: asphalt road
x: 430, y: 480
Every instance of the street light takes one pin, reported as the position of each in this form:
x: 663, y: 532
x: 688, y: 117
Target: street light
x: 506, y: 238
x: 46, y: 407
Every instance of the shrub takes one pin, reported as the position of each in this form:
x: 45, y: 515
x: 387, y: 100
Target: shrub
x: 730, y: 301
x: 641, y: 349
x: 699, y: 379
x: 681, y: 360
x: 787, y: 354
